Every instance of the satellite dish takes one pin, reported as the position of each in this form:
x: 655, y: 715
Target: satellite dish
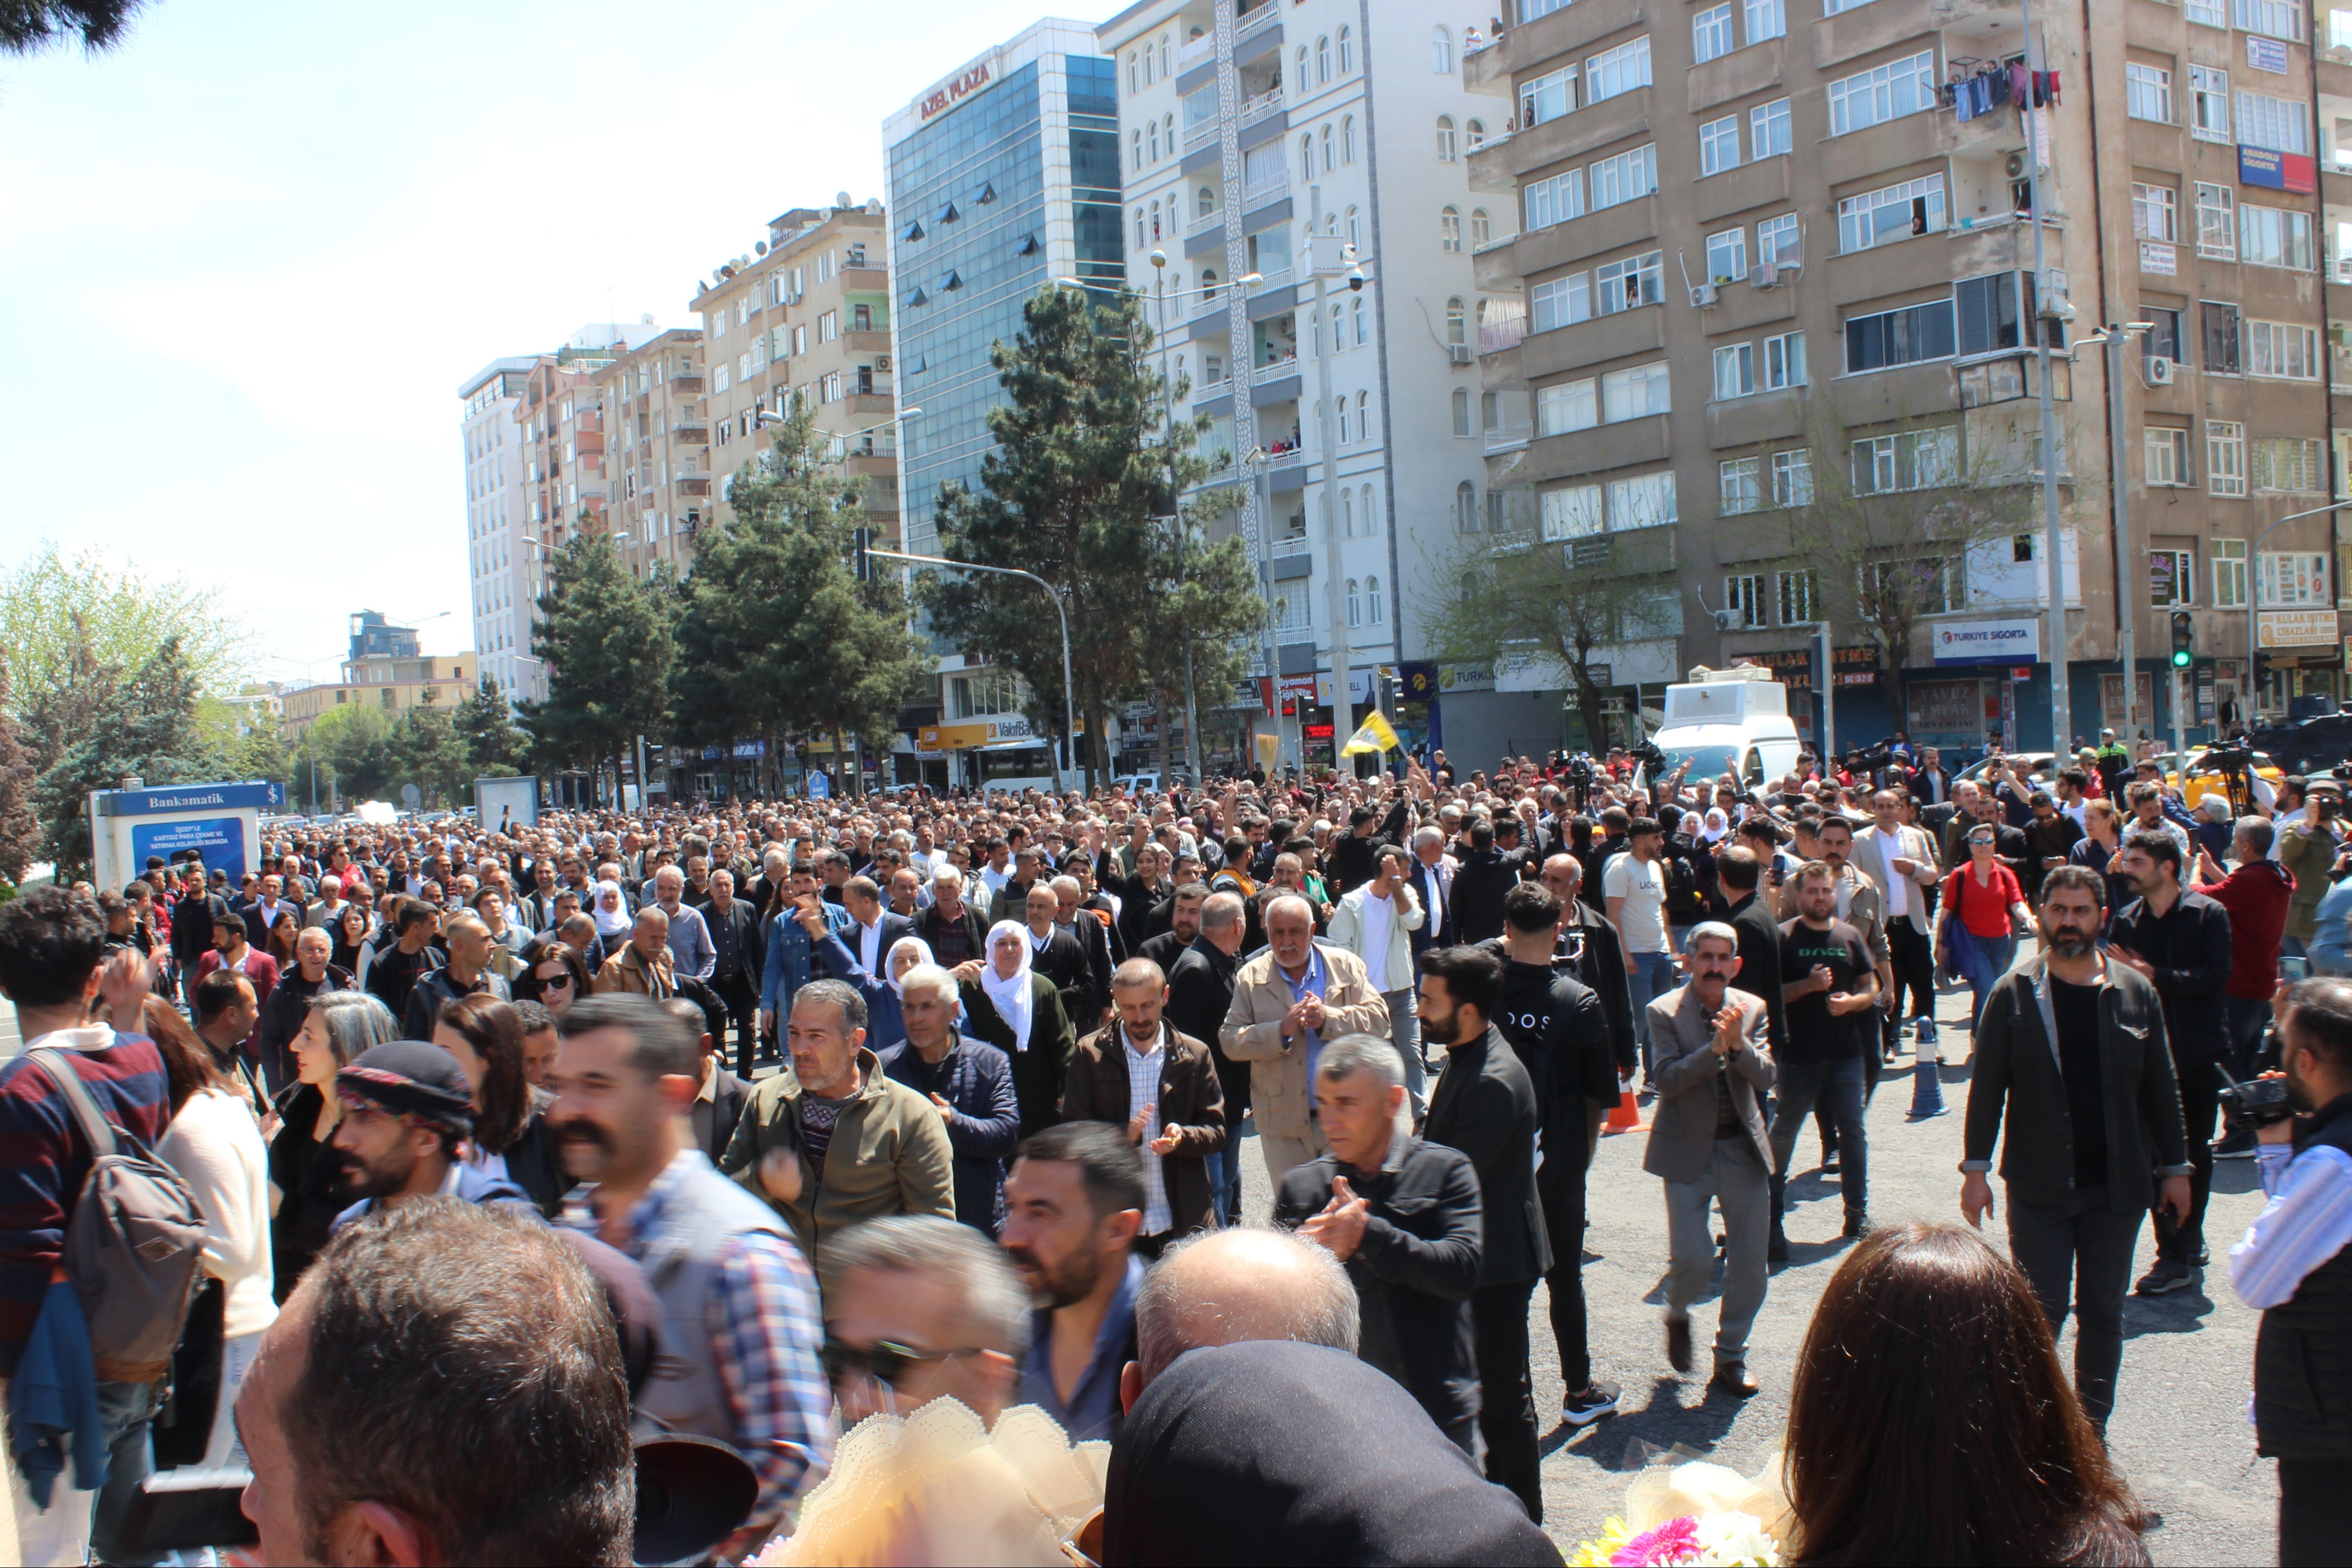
x: 841, y: 198
x: 758, y: 248
x: 411, y: 796
x: 646, y: 320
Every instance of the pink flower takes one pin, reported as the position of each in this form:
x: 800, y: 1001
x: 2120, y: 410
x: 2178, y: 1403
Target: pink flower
x: 1675, y: 1541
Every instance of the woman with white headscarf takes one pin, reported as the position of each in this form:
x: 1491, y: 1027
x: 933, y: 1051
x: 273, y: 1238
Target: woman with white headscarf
x: 884, y: 1024
x: 1019, y: 1012
x: 611, y: 912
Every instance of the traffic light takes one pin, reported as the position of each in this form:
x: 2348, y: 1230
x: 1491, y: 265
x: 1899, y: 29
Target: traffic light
x: 862, y: 541
x: 2184, y: 652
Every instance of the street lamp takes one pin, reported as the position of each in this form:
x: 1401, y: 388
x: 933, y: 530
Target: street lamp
x: 2115, y: 339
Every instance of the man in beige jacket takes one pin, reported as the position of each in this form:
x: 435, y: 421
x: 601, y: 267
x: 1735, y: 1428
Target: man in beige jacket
x: 1288, y: 999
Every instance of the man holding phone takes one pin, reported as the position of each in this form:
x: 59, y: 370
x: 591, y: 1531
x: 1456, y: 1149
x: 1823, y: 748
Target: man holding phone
x: 2079, y: 1090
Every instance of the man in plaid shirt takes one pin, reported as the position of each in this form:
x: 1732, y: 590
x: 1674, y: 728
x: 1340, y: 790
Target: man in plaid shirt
x: 740, y: 1325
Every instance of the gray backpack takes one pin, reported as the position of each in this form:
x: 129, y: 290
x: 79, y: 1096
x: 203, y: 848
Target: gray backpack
x: 134, y: 1245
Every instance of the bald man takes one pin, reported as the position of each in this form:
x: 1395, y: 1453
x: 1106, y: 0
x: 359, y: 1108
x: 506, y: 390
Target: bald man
x: 1233, y: 1286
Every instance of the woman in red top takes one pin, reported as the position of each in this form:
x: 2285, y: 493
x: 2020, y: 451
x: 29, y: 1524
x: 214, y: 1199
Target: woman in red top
x: 1983, y: 912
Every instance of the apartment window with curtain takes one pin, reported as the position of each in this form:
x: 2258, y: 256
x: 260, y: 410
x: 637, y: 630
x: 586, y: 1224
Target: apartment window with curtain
x: 2165, y: 453
x: 1718, y: 145
x: 1741, y: 479
x: 1744, y: 597
x: 1711, y: 34
x: 1882, y: 94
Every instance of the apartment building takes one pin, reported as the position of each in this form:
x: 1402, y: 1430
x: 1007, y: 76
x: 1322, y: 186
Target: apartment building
x: 1266, y: 149
x: 808, y: 316
x: 654, y: 434
x: 1000, y: 177
x: 1817, y: 247
x: 497, y: 564
x: 391, y: 685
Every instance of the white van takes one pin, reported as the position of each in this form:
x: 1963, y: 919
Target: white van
x: 1729, y: 720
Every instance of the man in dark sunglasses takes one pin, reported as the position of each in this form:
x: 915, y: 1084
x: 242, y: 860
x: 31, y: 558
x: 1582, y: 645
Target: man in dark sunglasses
x: 919, y: 1308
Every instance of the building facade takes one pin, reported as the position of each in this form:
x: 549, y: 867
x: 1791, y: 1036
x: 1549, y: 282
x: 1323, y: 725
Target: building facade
x: 1807, y: 265
x: 653, y: 437
x: 1002, y: 178
x: 1281, y: 141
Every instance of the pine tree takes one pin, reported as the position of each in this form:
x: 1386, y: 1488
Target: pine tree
x: 486, y: 724
x: 20, y: 830
x: 607, y: 641
x: 778, y: 630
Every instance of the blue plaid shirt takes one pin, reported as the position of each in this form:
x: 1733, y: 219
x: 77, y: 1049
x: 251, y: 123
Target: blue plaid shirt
x: 1317, y: 978
x: 765, y: 1329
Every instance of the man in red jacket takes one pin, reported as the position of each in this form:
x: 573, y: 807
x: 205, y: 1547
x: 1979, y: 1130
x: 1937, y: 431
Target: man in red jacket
x: 2256, y: 895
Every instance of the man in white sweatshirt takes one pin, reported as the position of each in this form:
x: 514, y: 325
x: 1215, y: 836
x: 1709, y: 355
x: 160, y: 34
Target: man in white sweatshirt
x: 1376, y: 921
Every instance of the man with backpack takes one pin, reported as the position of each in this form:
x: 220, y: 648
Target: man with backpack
x: 50, y: 944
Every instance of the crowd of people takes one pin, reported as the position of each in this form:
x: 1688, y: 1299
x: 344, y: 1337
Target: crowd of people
x: 749, y: 1121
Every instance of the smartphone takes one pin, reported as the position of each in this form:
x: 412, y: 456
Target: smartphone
x: 185, y: 1509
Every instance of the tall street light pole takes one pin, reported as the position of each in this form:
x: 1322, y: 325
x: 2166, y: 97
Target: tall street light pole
x: 1330, y: 258
x: 2116, y: 338
x: 2044, y: 314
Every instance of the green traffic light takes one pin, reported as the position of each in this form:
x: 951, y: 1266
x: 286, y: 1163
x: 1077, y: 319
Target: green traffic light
x: 2182, y: 659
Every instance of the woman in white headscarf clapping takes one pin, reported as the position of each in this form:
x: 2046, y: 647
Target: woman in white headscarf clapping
x: 1018, y: 1011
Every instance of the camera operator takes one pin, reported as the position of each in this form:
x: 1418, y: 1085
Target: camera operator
x: 2295, y: 1265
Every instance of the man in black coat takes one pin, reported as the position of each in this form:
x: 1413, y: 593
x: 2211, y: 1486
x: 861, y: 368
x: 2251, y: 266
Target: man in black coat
x: 739, y: 940
x: 1760, y: 939
x: 193, y: 918
x: 1486, y: 874
x: 1588, y: 943
x: 1404, y: 1217
x: 1200, y: 994
x: 1353, y: 860
x: 1485, y: 1105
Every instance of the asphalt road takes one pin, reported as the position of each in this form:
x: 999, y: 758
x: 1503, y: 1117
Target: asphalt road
x: 2179, y: 1428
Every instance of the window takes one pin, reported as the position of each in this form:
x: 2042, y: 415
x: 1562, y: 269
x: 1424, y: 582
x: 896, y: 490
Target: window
x: 1449, y: 149
x: 1449, y: 230
x: 2165, y: 454
x: 1364, y: 421
x: 1355, y: 237
x: 2217, y: 231
x: 1632, y: 281
x: 1711, y: 34
x: 2163, y: 338
x: 1356, y: 308
x: 1718, y: 145
x: 1372, y: 518
x: 1322, y: 60
x: 2281, y: 124
x: 1766, y: 20
x: 1635, y: 392
x: 1570, y: 513
x: 1466, y: 507
x: 2209, y: 103
x: 1734, y: 371
x: 1347, y: 140
x: 2155, y: 213
x: 1907, y: 460
x: 1621, y: 70
x: 1897, y: 212
x: 2147, y: 92
x: 1372, y: 611
x: 2225, y: 461
x: 1482, y: 228
x: 1778, y: 240
x: 1555, y: 200
x: 2288, y: 465
x: 2273, y: 236
x: 1784, y: 360
x: 1355, y: 605
x: 2171, y: 578
x: 1560, y: 302
x: 2292, y: 577
x: 1797, y: 599
x: 1490, y: 414
x: 1744, y: 597
x: 1883, y: 93
x: 1548, y: 98
x: 2229, y: 558
x: 1792, y: 481
x: 1331, y: 156
x: 1726, y: 255
x: 2277, y: 18
x: 1462, y: 411
x: 1907, y: 336
x: 1767, y: 128
x: 1993, y: 312
x: 1644, y: 503
x: 1925, y: 583
x: 1441, y: 50
x: 2212, y: 12
x: 1625, y: 178
x: 1742, y: 487
x: 1347, y: 51
x: 2282, y: 350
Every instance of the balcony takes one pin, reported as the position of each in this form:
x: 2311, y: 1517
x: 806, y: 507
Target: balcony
x: 1270, y: 282
x: 1201, y: 135
x: 2339, y: 367
x: 1257, y: 108
x: 690, y: 433
x: 1199, y: 51
x: 867, y: 341
x: 1600, y: 341
x: 1509, y: 436
x: 1254, y: 19
x: 694, y: 484
x: 879, y: 401
x: 1266, y: 192
x: 1735, y: 75
x: 685, y: 386
x: 1586, y: 129
x: 1210, y: 304
x: 1495, y: 337
x: 1204, y: 222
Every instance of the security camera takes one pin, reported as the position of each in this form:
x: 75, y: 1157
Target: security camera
x: 1356, y: 279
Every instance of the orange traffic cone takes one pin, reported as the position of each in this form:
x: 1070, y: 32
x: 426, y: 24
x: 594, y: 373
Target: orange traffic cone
x: 1626, y: 1116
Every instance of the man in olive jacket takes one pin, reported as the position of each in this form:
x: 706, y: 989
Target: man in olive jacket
x: 830, y: 1142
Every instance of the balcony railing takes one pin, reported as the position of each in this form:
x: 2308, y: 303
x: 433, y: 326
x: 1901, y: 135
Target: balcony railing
x: 1254, y: 19
x: 1271, y: 189
x: 1209, y: 304
x: 1203, y: 47
x: 1509, y: 436
x: 1201, y: 135
x: 1274, y: 368
x: 2339, y: 367
x: 1263, y: 104
x: 1273, y: 280
x: 1493, y: 337
x: 1203, y: 222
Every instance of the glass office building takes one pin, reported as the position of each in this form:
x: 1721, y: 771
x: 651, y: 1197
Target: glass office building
x: 1001, y: 177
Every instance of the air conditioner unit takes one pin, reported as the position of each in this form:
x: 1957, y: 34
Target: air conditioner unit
x: 1702, y: 296
x: 1460, y: 354
x: 2015, y: 167
x: 881, y: 362
x: 2159, y: 372
x: 1767, y: 276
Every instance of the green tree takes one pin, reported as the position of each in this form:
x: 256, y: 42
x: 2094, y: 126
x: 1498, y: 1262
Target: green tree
x: 20, y: 830
x: 352, y: 744
x: 607, y: 641
x: 28, y: 27
x: 431, y: 753
x: 1080, y: 492
x: 776, y: 630
x: 486, y: 724
x: 147, y: 727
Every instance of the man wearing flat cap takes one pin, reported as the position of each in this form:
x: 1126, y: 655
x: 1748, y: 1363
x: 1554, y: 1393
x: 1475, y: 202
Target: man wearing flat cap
x: 407, y: 1107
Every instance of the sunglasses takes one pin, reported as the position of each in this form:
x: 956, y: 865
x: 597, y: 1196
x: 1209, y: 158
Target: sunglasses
x: 560, y: 981
x: 885, y: 1362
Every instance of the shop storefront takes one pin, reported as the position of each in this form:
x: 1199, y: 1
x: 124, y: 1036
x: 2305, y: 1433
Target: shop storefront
x: 2303, y: 661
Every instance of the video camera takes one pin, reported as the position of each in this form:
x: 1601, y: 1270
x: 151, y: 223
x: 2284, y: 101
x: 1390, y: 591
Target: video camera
x: 1881, y: 756
x: 2260, y: 1102
x: 1651, y: 760
x: 2233, y: 759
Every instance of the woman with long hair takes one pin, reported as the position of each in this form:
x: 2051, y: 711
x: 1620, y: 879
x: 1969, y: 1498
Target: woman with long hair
x: 509, y: 1140
x: 304, y: 1166
x: 1931, y: 1421
x: 554, y: 973
x: 282, y: 932
x: 351, y: 930
x: 215, y: 1146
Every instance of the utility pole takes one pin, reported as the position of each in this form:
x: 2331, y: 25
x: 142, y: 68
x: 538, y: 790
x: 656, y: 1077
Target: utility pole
x: 1327, y: 254
x: 1176, y: 520
x: 2126, y: 595
x: 2053, y: 574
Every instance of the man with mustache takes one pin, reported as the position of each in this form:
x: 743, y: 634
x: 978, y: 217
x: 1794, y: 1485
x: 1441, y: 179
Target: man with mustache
x: 1073, y: 1205
x: 407, y: 1107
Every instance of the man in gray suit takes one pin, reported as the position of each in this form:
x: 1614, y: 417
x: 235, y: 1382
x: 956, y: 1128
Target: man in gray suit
x: 1711, y: 1066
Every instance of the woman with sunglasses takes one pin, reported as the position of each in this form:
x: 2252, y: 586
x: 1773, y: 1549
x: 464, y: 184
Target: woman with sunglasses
x: 552, y: 974
x: 1983, y: 914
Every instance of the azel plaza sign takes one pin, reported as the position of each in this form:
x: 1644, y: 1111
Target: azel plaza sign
x: 954, y: 90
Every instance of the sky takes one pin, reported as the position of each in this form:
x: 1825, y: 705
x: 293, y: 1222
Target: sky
x: 247, y: 257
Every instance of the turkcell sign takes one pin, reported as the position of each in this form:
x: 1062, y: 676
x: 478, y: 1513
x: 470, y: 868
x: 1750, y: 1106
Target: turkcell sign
x: 2295, y: 172
x: 1987, y: 642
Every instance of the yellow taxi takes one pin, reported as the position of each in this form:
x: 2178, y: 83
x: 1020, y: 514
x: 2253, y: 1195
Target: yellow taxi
x: 2203, y: 781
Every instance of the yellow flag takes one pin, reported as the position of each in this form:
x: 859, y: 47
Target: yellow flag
x: 1374, y: 738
